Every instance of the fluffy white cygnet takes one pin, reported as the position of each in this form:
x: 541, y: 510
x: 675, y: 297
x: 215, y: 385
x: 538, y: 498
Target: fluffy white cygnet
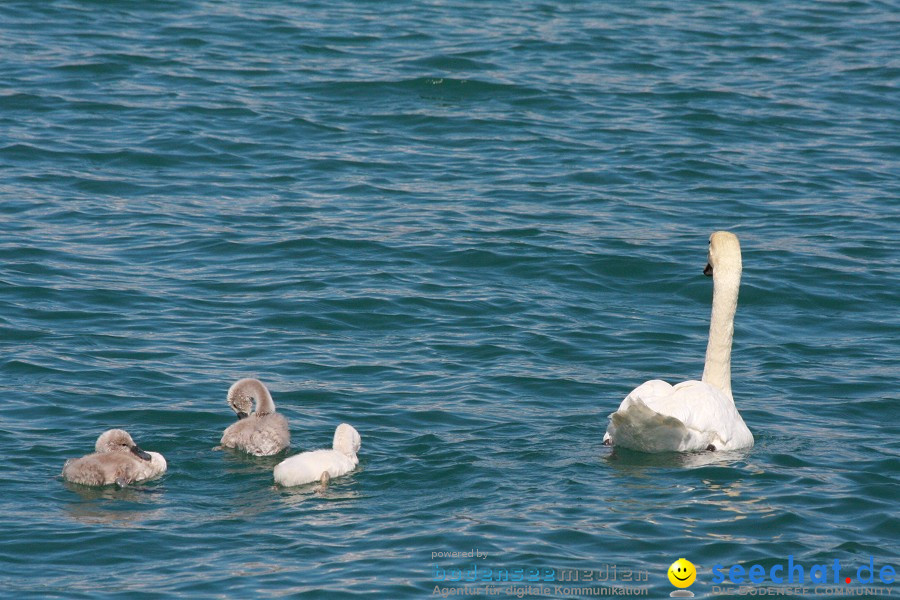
x: 308, y: 467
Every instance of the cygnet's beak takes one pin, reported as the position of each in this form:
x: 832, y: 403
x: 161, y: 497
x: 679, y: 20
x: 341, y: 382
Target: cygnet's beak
x: 140, y: 453
x: 242, y: 415
x: 708, y: 270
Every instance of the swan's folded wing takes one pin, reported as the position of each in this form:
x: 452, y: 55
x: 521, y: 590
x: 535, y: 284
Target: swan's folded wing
x: 640, y: 428
x: 644, y: 395
x: 658, y: 417
x: 650, y: 393
x: 705, y: 409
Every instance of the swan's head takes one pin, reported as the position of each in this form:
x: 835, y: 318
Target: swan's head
x: 724, y: 255
x: 347, y: 440
x: 243, y: 393
x: 118, y: 440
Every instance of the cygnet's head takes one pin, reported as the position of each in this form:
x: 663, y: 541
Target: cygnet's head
x: 724, y: 255
x: 243, y: 393
x: 118, y: 440
x: 346, y: 440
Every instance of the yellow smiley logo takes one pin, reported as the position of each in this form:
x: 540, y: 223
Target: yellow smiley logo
x: 682, y: 573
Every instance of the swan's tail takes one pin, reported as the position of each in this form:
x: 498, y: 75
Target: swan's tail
x: 638, y: 427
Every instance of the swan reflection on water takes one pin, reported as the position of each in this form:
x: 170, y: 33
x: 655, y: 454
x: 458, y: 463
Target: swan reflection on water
x: 632, y: 461
x: 718, y: 480
x: 345, y: 489
x: 111, y: 505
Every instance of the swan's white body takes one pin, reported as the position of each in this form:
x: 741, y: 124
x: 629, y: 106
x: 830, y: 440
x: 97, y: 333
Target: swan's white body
x: 308, y: 467
x: 116, y: 460
x: 261, y: 433
x: 692, y: 415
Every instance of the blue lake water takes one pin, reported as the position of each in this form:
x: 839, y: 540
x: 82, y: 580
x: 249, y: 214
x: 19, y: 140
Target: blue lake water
x: 469, y: 229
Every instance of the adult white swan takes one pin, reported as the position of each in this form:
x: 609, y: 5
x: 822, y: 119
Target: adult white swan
x: 261, y: 433
x: 693, y: 415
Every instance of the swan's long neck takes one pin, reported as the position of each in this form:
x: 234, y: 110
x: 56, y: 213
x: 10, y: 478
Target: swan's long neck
x: 717, y: 370
x: 264, y: 403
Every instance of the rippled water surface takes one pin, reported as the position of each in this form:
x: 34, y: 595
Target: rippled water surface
x: 469, y: 229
